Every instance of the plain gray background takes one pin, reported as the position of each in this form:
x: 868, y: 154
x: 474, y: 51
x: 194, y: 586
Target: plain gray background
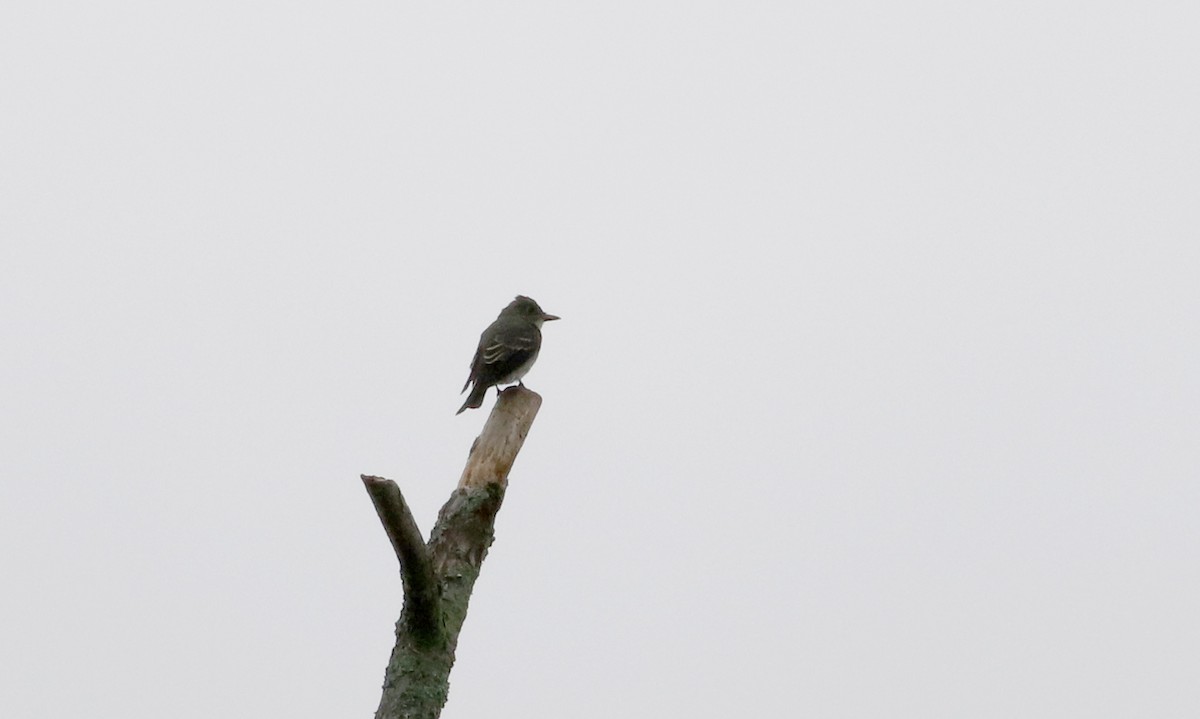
x: 875, y: 393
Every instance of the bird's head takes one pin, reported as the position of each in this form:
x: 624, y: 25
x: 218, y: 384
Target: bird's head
x: 525, y: 308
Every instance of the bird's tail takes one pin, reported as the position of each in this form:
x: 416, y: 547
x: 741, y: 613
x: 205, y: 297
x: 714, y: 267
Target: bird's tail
x: 475, y: 399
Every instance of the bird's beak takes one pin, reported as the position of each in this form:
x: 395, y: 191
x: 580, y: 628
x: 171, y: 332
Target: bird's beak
x: 547, y: 318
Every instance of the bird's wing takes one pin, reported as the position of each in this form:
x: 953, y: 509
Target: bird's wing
x: 510, y: 345
x: 503, y: 347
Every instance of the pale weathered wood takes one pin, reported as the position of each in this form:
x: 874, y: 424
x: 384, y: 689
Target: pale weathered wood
x: 496, y: 449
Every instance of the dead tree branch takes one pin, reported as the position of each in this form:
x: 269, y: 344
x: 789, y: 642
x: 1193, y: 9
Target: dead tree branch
x: 438, y: 577
x: 421, y: 591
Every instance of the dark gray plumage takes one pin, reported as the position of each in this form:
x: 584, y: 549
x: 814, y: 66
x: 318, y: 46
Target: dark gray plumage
x: 507, y: 349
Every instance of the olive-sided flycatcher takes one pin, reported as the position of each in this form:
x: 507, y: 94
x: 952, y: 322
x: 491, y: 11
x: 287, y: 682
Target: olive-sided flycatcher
x: 507, y: 349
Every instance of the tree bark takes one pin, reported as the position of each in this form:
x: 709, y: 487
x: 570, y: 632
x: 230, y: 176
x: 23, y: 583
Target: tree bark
x: 438, y: 577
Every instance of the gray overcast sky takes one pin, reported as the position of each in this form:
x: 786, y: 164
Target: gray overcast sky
x: 875, y: 393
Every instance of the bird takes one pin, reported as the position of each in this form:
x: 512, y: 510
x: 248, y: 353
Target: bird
x: 507, y: 349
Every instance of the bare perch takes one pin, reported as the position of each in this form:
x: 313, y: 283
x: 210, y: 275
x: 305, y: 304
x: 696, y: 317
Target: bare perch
x: 496, y: 448
x: 438, y: 577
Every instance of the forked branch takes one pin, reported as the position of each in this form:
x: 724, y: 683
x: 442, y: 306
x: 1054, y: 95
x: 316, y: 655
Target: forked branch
x: 438, y: 577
